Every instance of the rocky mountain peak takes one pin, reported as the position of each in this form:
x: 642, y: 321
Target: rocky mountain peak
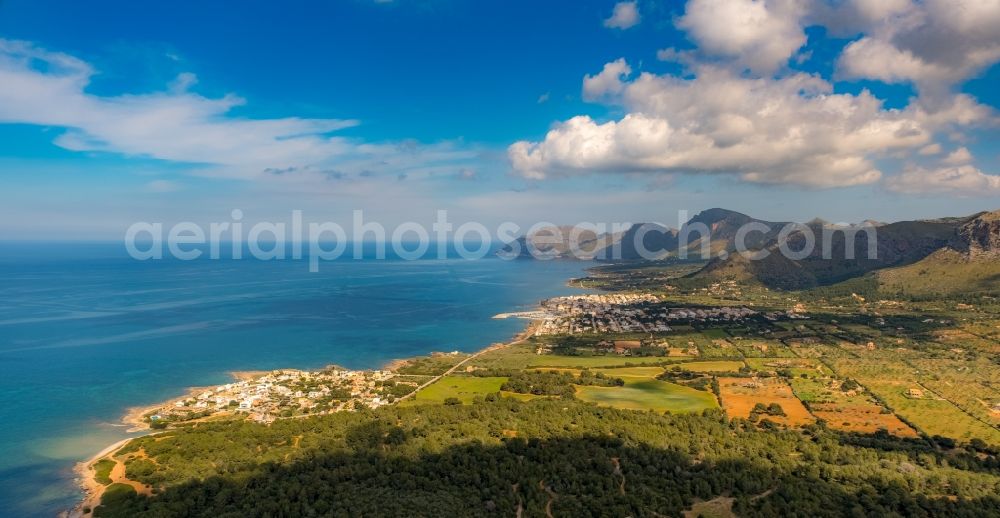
x: 982, y: 234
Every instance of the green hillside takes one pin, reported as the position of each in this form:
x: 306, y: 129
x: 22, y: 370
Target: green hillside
x: 945, y: 272
x: 908, y: 248
x: 543, y: 457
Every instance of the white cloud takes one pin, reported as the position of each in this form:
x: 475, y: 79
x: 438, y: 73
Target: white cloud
x: 879, y: 10
x: 608, y: 81
x: 789, y: 130
x: 934, y: 44
x: 582, y: 144
x: 684, y: 57
x: 773, y: 124
x: 758, y: 34
x: 965, y: 180
x: 953, y: 111
x: 878, y: 59
x: 173, y: 125
x: 49, y: 88
x: 851, y: 17
x: 183, y: 82
x: 958, y: 157
x: 624, y: 16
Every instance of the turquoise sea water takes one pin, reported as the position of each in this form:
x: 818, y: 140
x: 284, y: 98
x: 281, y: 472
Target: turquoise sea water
x: 86, y: 332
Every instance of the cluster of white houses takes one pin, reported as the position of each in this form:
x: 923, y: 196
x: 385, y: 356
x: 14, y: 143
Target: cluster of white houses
x: 625, y: 313
x: 284, y: 393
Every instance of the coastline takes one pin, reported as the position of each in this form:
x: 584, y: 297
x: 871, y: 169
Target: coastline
x: 133, y: 417
x: 92, y: 490
x: 246, y: 375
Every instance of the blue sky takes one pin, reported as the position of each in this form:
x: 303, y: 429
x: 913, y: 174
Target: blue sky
x: 115, y: 112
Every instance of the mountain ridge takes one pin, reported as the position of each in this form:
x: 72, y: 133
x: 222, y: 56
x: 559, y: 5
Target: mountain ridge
x: 839, y: 253
x: 972, y: 242
x: 660, y: 242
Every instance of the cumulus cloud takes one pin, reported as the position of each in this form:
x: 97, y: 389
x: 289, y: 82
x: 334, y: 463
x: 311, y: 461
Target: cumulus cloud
x: 758, y: 34
x: 740, y: 108
x: 48, y: 88
x: 933, y: 44
x: 608, y: 81
x: 787, y: 130
x: 624, y: 16
x: 965, y: 180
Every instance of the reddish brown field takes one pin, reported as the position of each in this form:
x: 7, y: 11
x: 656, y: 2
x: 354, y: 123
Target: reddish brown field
x: 739, y: 397
x: 861, y: 418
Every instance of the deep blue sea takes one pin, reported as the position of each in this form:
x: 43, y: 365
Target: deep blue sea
x: 86, y: 332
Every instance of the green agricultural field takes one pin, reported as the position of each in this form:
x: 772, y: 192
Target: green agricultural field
x: 552, y: 360
x: 710, y: 348
x: 649, y: 394
x: 811, y: 390
x: 797, y: 366
x: 632, y: 372
x: 715, y: 334
x: 775, y: 349
x: 711, y: 366
x: 572, y: 370
x: 891, y: 379
x: 465, y: 388
x: 934, y: 416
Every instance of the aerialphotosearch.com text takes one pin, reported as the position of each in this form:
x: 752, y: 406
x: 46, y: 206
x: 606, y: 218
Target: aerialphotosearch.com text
x: 318, y: 242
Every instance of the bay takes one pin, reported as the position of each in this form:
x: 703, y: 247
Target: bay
x: 87, y: 332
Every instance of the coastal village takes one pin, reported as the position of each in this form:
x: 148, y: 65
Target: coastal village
x: 627, y: 313
x: 264, y: 397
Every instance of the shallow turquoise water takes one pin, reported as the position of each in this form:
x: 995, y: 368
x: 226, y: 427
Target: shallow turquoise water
x: 86, y: 332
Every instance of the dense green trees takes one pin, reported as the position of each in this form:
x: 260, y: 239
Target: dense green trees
x: 556, y: 383
x: 773, y: 409
x: 490, y: 457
